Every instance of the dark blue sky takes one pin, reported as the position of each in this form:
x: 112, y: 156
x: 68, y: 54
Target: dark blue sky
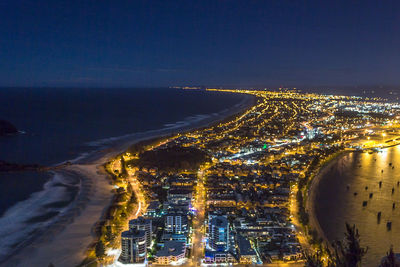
x: 214, y: 43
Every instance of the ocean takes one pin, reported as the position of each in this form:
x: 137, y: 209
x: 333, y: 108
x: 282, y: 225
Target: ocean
x: 66, y: 124
x: 336, y: 203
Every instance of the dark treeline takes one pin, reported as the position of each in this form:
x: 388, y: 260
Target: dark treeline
x: 171, y: 159
x: 346, y: 253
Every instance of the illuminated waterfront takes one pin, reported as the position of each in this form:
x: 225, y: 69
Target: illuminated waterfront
x: 336, y: 202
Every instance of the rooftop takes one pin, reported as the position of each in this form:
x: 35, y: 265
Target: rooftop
x: 172, y: 248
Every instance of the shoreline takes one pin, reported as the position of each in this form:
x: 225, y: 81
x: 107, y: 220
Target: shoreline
x: 312, y: 192
x: 66, y: 242
x: 117, y: 145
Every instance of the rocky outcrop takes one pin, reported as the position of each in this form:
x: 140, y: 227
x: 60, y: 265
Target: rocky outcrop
x: 12, y: 167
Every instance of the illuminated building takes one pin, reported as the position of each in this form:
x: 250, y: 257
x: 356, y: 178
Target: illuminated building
x: 175, y: 223
x: 133, y: 246
x: 246, y: 254
x: 172, y: 251
x: 219, y: 233
x: 143, y: 224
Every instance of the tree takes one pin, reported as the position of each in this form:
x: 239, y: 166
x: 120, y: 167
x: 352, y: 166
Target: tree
x: 346, y: 253
x: 349, y: 253
x: 109, y: 236
x: 100, y: 249
x: 314, y: 260
x: 133, y: 198
x: 129, y: 188
x: 303, y: 215
x: 390, y: 260
x: 123, y: 167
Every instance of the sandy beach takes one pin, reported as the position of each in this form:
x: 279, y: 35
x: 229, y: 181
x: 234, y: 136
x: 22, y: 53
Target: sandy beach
x: 65, y: 242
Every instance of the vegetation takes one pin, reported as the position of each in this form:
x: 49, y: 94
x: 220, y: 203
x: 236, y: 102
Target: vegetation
x: 390, y: 260
x: 346, y: 253
x: 349, y: 252
x: 100, y: 250
x: 124, y: 172
x: 303, y: 215
x: 109, y: 228
x: 171, y: 159
x: 314, y: 260
x: 144, y: 145
x: 317, y: 163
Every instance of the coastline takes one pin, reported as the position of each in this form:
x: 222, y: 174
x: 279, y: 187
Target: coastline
x: 312, y: 192
x: 114, y: 146
x: 65, y: 242
x: 374, y: 235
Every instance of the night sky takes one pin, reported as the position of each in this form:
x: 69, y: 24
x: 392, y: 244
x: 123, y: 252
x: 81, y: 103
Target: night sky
x: 212, y: 43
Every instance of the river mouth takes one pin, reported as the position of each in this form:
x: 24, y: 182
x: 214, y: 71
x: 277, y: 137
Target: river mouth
x: 349, y: 191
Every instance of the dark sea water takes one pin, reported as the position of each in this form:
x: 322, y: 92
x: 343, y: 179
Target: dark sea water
x: 65, y: 124
x: 336, y: 205
x: 60, y: 123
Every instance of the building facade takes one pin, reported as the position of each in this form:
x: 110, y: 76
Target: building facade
x: 173, y: 251
x: 143, y: 224
x: 219, y: 233
x: 176, y: 223
x: 133, y: 246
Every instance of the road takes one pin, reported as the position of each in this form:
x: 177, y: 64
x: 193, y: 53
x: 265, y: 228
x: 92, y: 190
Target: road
x: 198, y: 221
